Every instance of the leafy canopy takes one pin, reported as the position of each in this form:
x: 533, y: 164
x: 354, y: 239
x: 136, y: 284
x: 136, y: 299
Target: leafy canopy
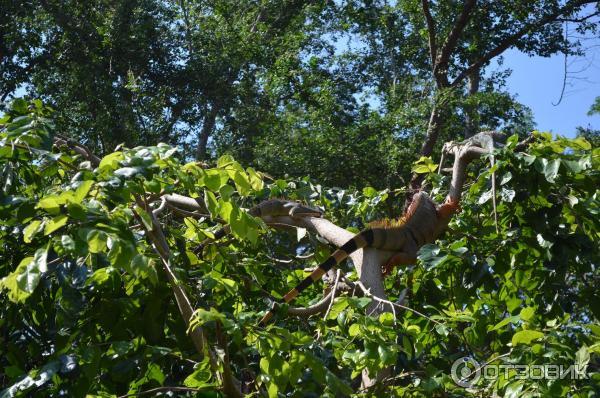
x: 86, y: 309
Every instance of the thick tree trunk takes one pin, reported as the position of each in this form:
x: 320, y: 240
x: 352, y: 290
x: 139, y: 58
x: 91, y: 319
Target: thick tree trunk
x: 205, y: 131
x: 470, y: 110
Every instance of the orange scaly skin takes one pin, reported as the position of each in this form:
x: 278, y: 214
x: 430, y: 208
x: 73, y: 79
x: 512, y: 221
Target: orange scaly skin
x: 448, y: 208
x: 444, y: 214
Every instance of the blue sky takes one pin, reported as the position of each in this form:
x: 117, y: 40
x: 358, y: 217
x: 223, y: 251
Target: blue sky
x: 537, y: 82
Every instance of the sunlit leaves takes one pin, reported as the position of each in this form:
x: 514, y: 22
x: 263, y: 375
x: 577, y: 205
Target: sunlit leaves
x: 526, y: 337
x: 145, y: 217
x: 34, y: 227
x: 96, y: 241
x: 111, y: 161
x: 424, y: 165
x: 81, y: 270
x: 52, y: 203
x: 201, y: 377
x: 26, y: 277
x: 55, y: 224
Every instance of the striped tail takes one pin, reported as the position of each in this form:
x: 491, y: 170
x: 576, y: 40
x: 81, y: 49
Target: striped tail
x: 358, y: 241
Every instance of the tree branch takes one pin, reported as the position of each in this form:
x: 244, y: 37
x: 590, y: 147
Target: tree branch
x: 231, y: 386
x: 461, y: 22
x: 431, y: 33
x: 579, y: 20
x: 512, y: 39
x: 366, y: 261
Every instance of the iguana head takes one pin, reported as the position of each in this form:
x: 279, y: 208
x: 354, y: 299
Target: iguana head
x: 296, y: 209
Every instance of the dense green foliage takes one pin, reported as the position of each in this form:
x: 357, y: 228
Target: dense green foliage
x: 292, y: 87
x: 337, y: 104
x: 86, y: 309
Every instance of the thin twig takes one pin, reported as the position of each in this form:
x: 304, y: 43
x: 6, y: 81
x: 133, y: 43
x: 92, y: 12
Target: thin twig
x: 335, y: 286
x: 367, y: 293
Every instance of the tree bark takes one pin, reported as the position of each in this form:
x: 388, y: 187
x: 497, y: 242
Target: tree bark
x: 205, y: 132
x: 436, y: 122
x: 470, y: 109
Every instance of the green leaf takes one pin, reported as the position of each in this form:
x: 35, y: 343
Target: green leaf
x: 51, y: 204
x: 129, y: 172
x: 55, y: 224
x: 67, y: 243
x: 96, y: 240
x: 255, y: 180
x: 200, y: 378
x: 354, y: 330
x: 506, y: 178
x: 582, y: 356
x: 595, y: 329
x: 513, y: 390
x: 225, y: 160
x: 487, y: 195
x: 442, y: 330
x: 26, y: 277
x: 511, y: 319
x: 111, y: 161
x: 211, y: 203
x: 386, y: 318
x: 581, y: 143
x: 424, y: 165
x: 215, y: 179
x: 527, y: 313
x: 31, y: 230
x: 146, y: 218
x: 226, y: 191
x: 242, y: 183
x: 143, y: 266
x: 572, y: 165
x: 225, y: 211
x: 527, y: 159
x: 507, y: 195
x: 121, y: 254
x: 101, y: 276
x: 369, y: 192
x: 551, y: 170
x: 386, y: 355
x: 82, y: 190
x: 526, y: 337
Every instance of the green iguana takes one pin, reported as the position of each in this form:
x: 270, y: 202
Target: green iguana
x: 421, y: 224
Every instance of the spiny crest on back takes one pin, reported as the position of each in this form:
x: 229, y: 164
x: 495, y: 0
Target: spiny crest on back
x: 387, y: 223
x: 410, y: 212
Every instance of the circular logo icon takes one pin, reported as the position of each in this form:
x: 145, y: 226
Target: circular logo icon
x: 466, y: 372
